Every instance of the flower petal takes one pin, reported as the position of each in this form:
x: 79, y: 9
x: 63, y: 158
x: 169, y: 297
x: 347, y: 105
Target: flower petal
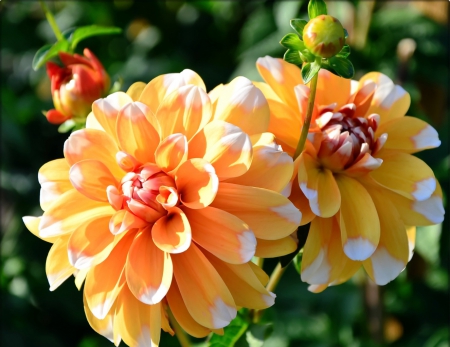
x: 172, y: 233
x: 54, y: 180
x: 242, y: 104
x: 301, y: 202
x: 206, y: 296
x: 340, y: 86
x: 225, y: 146
x: 137, y: 131
x: 411, y: 234
x: 271, y: 168
x: 197, y: 183
x: 275, y: 248
x: 319, y: 186
x: 90, y: 243
x: 269, y: 214
x: 70, y: 211
x: 182, y: 315
x: 123, y: 220
x: 91, y: 178
x: 406, y: 175
x: 93, y: 144
x: 222, y: 234
x: 102, y: 326
x: 359, y: 223
x: 186, y: 110
x: 171, y: 152
x: 244, y: 286
x: 105, y: 280
x: 57, y: 266
x: 148, y: 270
x: 137, y: 324
x: 135, y: 90
x: 409, y: 134
x: 32, y: 224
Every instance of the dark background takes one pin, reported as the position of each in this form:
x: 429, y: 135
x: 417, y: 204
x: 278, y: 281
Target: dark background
x: 220, y: 40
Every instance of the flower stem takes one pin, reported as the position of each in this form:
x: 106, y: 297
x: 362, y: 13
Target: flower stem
x: 51, y: 20
x: 179, y: 332
x: 307, y: 123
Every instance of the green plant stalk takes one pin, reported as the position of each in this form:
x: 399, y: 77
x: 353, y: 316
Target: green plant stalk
x: 51, y: 20
x: 179, y: 332
x: 306, y: 125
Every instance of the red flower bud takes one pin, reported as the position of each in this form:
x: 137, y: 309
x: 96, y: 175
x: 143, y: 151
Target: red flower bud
x: 75, y: 86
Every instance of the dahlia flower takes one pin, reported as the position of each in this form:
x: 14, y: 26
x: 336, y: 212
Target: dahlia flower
x: 160, y: 204
x: 75, y: 86
x: 356, y: 180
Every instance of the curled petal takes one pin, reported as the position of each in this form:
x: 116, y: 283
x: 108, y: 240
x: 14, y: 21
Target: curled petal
x: 54, y: 180
x: 171, y: 152
x: 135, y: 90
x: 123, y: 220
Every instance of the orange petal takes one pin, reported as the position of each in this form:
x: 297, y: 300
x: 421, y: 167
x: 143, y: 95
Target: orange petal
x: 392, y: 253
x: 275, y: 248
x: 171, y: 152
x: 123, y: 220
x: 340, y: 87
x: 92, y: 123
x: 102, y: 326
x: 319, y: 186
x: 242, y: 104
x: 390, y: 101
x: 93, y: 144
x: 206, y: 296
x: 359, y: 223
x: 149, y: 270
x: 406, y: 175
x: 90, y: 243
x: 197, y: 183
x: 409, y: 134
x: 222, y: 234
x: 54, y: 180
x: 136, y: 132
x: 269, y: 214
x: 106, y: 111
x: 186, y: 110
x: 282, y: 77
x: 91, y: 178
x: 225, y: 146
x: 163, y: 85
x: 172, y: 233
x: 301, y: 202
x: 244, y: 285
x: 69, y: 212
x: 135, y: 90
x: 137, y: 324
x: 411, y: 234
x: 363, y: 98
x: 57, y: 266
x: 105, y: 280
x: 269, y: 161
x: 182, y: 315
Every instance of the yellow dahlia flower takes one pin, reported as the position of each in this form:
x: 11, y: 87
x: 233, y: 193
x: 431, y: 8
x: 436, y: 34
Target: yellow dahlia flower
x: 356, y: 179
x: 160, y: 204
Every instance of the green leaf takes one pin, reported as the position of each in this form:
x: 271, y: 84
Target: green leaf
x: 342, y: 66
x: 258, y: 333
x: 297, y: 261
x: 67, y: 34
x: 66, y: 126
x: 309, y: 71
x: 232, y: 332
x: 293, y: 57
x: 345, y: 52
x: 298, y: 25
x: 302, y: 234
x: 47, y: 52
x: 92, y: 30
x: 316, y: 8
x: 291, y: 41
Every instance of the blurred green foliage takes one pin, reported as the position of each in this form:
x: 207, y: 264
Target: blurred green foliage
x: 219, y: 40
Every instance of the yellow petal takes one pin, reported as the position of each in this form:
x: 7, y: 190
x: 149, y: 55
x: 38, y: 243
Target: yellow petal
x: 32, y: 224
x: 222, y: 234
x: 242, y: 104
x: 206, y: 296
x: 185, y: 111
x: 57, y: 266
x: 359, y: 223
x: 124, y: 220
x: 409, y: 134
x: 197, y: 183
x: 136, y: 132
x: 54, y: 180
x: 301, y: 202
x: 171, y: 152
x: 275, y: 248
x: 411, y: 234
x: 102, y: 326
x: 225, y: 146
x: 135, y: 90
x: 269, y: 214
x: 172, y: 233
x: 149, y: 270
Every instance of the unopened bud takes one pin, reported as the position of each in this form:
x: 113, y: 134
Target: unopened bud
x: 324, y: 36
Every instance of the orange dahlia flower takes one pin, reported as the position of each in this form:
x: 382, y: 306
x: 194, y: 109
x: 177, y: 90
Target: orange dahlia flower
x: 160, y: 204
x: 356, y: 180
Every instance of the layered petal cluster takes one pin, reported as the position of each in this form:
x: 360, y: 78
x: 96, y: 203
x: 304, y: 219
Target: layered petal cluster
x: 159, y: 205
x: 357, y: 181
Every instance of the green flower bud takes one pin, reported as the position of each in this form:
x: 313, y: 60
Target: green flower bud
x: 324, y: 36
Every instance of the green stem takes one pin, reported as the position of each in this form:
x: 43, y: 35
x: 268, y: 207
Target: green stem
x: 179, y: 332
x: 51, y: 20
x: 305, y: 128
